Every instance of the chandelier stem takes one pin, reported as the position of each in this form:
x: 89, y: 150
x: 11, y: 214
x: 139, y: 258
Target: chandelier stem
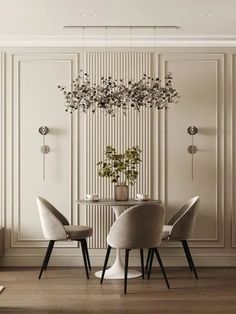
x: 131, y: 54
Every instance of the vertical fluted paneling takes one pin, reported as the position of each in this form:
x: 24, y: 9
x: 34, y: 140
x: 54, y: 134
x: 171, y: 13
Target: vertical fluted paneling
x: 119, y: 131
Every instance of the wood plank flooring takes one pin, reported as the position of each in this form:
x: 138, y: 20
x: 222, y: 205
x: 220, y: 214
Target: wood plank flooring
x: 65, y: 290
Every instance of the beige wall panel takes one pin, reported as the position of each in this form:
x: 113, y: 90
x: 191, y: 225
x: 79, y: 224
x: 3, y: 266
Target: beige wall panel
x: 120, y: 132
x: 37, y: 102
x: 199, y: 79
x: 32, y: 99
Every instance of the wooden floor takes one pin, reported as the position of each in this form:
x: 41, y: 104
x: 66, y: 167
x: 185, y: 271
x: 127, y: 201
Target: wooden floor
x: 65, y: 290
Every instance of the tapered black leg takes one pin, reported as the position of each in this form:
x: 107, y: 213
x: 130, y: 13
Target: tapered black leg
x: 142, y: 262
x: 105, y: 263
x: 49, y: 254
x: 47, y: 257
x: 87, y: 254
x: 84, y: 257
x: 187, y: 255
x: 126, y: 269
x: 150, y: 262
x: 148, y: 259
x: 191, y: 259
x: 162, y: 267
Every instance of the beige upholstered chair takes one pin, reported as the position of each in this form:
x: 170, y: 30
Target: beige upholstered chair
x: 138, y: 227
x: 180, y: 228
x: 56, y: 228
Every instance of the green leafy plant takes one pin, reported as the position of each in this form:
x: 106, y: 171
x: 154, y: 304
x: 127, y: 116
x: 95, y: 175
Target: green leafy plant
x: 117, y: 166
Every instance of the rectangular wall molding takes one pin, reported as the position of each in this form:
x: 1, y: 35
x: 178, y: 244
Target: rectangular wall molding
x: 233, y: 104
x: 2, y: 137
x: 207, y: 182
x: 30, y: 105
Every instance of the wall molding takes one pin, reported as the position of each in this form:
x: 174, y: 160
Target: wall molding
x: 233, y: 155
x: 218, y: 60
x: 118, y: 41
x: 2, y: 138
x: 71, y: 60
x: 75, y: 260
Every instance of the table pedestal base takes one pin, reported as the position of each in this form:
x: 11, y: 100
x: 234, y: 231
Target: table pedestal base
x: 117, y: 270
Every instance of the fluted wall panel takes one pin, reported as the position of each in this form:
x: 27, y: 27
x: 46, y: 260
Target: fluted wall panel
x: 120, y: 131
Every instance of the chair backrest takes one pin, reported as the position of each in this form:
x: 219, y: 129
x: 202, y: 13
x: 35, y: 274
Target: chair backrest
x: 184, y: 220
x: 52, y: 220
x: 138, y: 227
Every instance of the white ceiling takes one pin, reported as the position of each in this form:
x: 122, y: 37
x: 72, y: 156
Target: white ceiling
x: 40, y: 18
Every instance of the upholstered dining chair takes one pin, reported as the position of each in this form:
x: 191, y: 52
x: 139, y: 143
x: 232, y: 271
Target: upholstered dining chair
x: 57, y: 228
x: 180, y: 228
x: 138, y: 227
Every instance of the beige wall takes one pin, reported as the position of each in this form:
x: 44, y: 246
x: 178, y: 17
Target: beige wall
x: 205, y: 78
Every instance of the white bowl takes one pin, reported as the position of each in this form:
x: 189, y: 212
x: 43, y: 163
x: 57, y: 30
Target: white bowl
x: 92, y: 197
x: 143, y: 196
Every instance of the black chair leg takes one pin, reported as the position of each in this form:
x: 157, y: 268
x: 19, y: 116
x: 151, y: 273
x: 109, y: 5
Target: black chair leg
x: 47, y: 257
x: 142, y: 262
x: 49, y: 254
x: 126, y: 269
x: 191, y: 259
x: 162, y: 267
x: 84, y: 257
x: 87, y: 254
x: 187, y: 255
x: 105, y: 262
x: 150, y: 263
x: 148, y: 259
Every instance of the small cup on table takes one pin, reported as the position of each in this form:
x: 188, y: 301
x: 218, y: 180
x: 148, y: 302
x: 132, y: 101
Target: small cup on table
x: 92, y: 197
x: 142, y: 196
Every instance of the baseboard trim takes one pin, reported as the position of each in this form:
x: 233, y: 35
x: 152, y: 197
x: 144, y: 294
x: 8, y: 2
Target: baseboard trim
x: 73, y: 261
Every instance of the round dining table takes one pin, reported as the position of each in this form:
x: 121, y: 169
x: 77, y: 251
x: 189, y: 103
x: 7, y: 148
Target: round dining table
x: 116, y: 271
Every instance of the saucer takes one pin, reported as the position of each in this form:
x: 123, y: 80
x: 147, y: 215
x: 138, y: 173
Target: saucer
x: 94, y: 200
x: 139, y: 200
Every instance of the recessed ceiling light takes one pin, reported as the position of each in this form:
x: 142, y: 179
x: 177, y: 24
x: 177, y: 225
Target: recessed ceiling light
x: 93, y: 14
x: 83, y: 14
x: 209, y: 14
x: 200, y: 14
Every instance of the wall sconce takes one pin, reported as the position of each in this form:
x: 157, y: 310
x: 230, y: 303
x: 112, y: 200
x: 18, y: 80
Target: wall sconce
x: 45, y: 149
x: 192, y: 149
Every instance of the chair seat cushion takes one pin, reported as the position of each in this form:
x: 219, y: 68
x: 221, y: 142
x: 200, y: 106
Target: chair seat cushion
x: 78, y: 232
x: 166, y: 231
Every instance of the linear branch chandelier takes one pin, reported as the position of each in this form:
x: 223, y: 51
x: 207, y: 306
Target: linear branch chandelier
x: 113, y: 95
